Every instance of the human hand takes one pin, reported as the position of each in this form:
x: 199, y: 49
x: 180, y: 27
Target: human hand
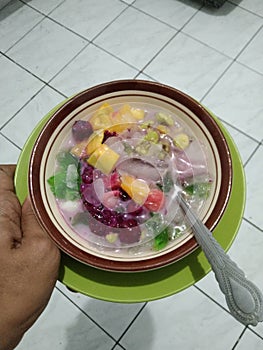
x: 29, y: 264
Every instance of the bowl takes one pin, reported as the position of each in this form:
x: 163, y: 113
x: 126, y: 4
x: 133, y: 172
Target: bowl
x: 105, y: 169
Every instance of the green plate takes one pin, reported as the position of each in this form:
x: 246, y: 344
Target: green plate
x: 150, y: 285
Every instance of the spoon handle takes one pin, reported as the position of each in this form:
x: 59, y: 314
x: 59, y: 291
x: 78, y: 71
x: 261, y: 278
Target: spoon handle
x: 244, y: 299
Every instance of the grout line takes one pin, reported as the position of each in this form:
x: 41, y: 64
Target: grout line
x: 156, y: 18
x: 39, y: 11
x: 36, y: 10
x: 29, y: 100
x: 91, y: 41
x: 56, y: 90
x: 85, y: 313
x: 117, y: 344
x: 243, y: 8
x: 69, y: 29
x: 252, y: 224
x: 131, y: 323
x: 208, y: 46
x: 231, y: 63
x: 22, y: 67
x: 118, y: 58
x: 140, y: 71
x: 114, y: 19
x: 24, y: 35
x: 4, y: 7
x: 239, y: 130
x: 249, y: 41
x: 8, y: 139
x: 26, y: 103
x: 147, y: 75
x: 216, y: 81
x: 80, y: 35
x: 250, y: 68
x: 159, y: 51
x: 68, y: 63
x: 222, y: 307
x: 168, y: 42
x: 253, y: 331
x: 239, y: 338
x: 252, y: 154
x: 123, y: 1
x: 34, y: 75
x: 215, y: 301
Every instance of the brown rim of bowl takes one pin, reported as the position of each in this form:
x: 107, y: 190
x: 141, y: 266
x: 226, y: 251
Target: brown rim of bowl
x: 110, y: 87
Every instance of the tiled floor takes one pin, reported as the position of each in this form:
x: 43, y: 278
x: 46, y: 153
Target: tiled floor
x: 51, y: 49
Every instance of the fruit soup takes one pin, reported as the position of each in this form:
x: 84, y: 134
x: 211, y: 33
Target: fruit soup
x: 117, y: 172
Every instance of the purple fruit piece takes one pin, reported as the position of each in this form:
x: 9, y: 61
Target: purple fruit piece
x: 130, y: 235
x: 87, y: 174
x: 97, y: 227
x: 81, y: 130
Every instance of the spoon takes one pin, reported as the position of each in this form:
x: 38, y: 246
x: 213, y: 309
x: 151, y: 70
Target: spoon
x: 244, y: 299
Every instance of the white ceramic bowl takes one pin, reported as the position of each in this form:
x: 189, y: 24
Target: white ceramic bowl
x: 146, y: 95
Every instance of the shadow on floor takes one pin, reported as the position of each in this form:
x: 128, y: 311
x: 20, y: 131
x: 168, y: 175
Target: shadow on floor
x: 209, y: 9
x: 85, y: 334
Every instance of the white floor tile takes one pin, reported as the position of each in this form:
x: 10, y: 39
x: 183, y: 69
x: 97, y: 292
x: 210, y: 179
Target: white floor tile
x: 188, y: 65
x: 188, y: 320
x: 143, y: 76
x: 113, y: 317
x: 249, y: 341
x: 44, y: 6
x: 244, y: 144
x: 237, y: 99
x: 16, y: 19
x: 3, y: 3
x: 16, y: 88
x: 254, y: 168
x: 88, y: 18
x: 227, y: 30
x: 47, y: 49
x: 246, y: 252
x: 209, y: 285
x: 252, y: 56
x: 63, y: 326
x: 20, y: 127
x: 118, y: 348
x: 255, y: 6
x: 89, y: 69
x: 9, y: 153
x: 135, y: 37
x: 174, y: 12
x: 258, y: 329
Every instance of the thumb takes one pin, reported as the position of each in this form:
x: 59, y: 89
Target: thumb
x: 29, y: 222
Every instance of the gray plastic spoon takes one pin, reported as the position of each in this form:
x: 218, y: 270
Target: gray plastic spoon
x: 244, y: 299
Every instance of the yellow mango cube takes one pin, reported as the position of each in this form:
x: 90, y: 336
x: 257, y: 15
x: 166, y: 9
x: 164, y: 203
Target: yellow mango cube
x: 100, y: 121
x: 79, y: 149
x: 123, y: 119
x: 106, y: 107
x: 94, y: 141
x: 104, y: 159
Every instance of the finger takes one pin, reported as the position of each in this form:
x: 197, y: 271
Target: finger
x: 7, y: 173
x: 30, y: 224
x: 10, y: 209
